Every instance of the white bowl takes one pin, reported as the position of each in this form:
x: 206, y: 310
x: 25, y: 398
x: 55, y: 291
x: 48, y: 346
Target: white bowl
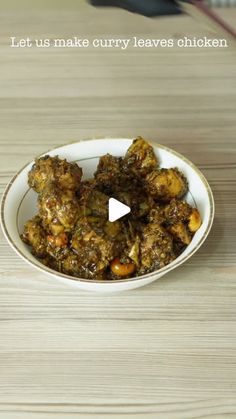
x: 19, y: 205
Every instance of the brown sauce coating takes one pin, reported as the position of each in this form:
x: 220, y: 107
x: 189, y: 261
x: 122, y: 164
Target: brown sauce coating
x: 71, y: 232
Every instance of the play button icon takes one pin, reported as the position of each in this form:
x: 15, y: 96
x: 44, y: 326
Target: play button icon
x: 117, y: 209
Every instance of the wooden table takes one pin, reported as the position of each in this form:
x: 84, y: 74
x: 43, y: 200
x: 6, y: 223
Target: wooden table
x: 168, y: 350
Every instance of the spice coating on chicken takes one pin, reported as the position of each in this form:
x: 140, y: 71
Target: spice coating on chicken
x: 165, y: 184
x: 94, y: 246
x: 156, y: 249
x: 57, y: 246
x: 112, y: 177
x: 108, y: 172
x: 52, y: 169
x: 157, y: 214
x: 35, y: 236
x: 181, y: 220
x: 93, y: 202
x: 58, y: 208
x: 140, y: 157
x: 177, y: 211
x: 180, y: 233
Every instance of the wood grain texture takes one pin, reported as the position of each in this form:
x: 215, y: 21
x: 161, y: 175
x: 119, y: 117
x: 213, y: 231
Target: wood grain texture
x: 168, y: 350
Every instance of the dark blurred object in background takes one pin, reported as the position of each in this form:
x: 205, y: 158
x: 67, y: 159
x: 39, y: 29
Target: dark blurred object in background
x: 143, y: 7
x: 152, y: 8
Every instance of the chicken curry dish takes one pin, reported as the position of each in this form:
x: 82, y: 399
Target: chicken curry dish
x: 71, y: 232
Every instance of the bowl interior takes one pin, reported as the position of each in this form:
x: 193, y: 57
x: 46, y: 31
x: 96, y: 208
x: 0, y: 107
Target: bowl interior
x: 20, y: 202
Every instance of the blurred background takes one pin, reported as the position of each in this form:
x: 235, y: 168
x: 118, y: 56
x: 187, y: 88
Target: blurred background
x: 51, y: 96
x: 75, y: 3
x: 221, y: 3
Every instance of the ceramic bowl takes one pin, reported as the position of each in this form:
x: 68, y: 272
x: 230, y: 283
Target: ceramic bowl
x: 19, y: 205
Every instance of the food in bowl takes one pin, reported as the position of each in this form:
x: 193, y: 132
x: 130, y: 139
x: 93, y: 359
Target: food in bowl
x: 72, y: 234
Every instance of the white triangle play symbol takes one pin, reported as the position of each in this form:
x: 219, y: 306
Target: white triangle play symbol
x: 117, y: 209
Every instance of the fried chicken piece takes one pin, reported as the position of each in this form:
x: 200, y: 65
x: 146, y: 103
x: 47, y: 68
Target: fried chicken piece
x: 137, y: 199
x: 177, y: 211
x: 180, y: 233
x: 165, y: 184
x: 115, y: 179
x: 157, y: 214
x: 108, y: 174
x: 34, y: 235
x: 94, y: 245
x: 111, y: 176
x: 92, y: 202
x: 182, y: 220
x: 156, y: 248
x: 58, y: 209
x: 58, y: 246
x: 140, y: 158
x: 108, y: 168
x: 71, y: 265
x: 53, y: 169
x: 74, y: 266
